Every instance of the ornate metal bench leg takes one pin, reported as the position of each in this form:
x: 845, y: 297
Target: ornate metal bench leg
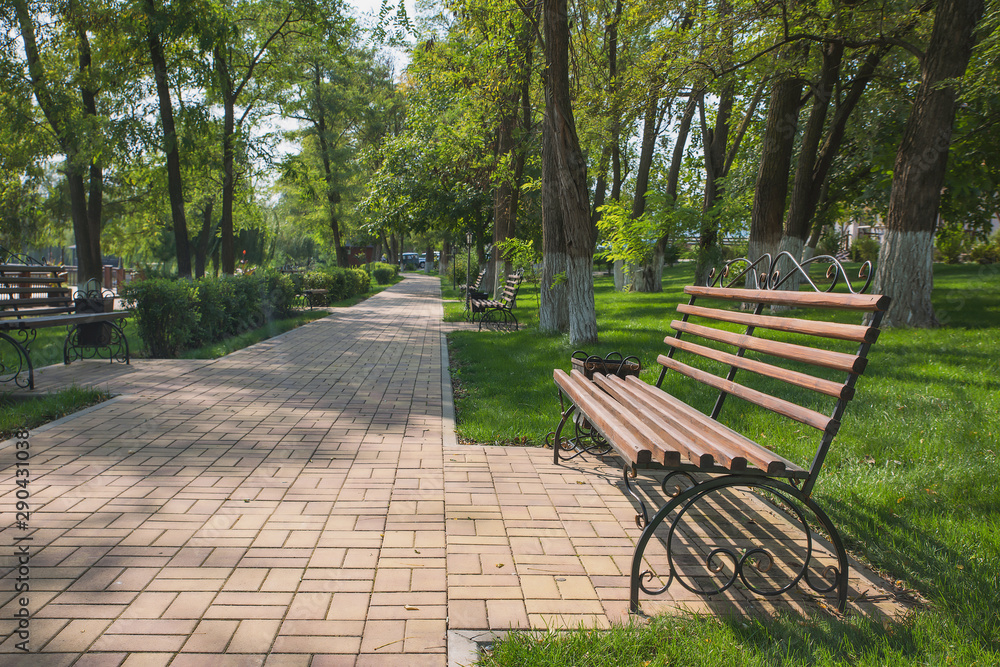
x: 12, y: 372
x: 642, y: 516
x: 116, y: 344
x: 756, y: 559
x: 557, y: 440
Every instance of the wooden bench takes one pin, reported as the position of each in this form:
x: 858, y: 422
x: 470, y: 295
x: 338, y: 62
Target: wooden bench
x: 34, y: 297
x: 474, y: 291
x: 788, y: 365
x: 315, y: 297
x: 498, y: 313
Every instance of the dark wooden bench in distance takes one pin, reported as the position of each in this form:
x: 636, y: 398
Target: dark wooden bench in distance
x: 34, y: 297
x: 498, y: 313
x: 788, y: 365
x: 315, y: 297
x: 474, y: 291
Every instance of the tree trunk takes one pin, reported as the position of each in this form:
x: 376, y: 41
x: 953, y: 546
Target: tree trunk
x: 332, y: 196
x: 715, y: 141
x: 771, y: 191
x: 553, y: 308
x: 905, y: 271
x: 648, y: 277
x: 228, y: 249
x: 445, y: 256
x: 572, y: 177
x: 175, y: 183
x: 204, y: 239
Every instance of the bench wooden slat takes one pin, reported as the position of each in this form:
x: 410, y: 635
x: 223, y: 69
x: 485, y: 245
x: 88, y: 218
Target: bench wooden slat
x: 28, y: 302
x: 588, y: 399
x: 34, y: 313
x: 794, y: 378
x: 860, y: 302
x: 714, y: 433
x: 60, y: 320
x: 838, y: 361
x: 772, y: 403
x: 852, y: 332
x: 678, y: 442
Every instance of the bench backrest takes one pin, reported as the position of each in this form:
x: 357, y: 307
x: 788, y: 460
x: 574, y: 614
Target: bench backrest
x: 478, y: 281
x: 509, y: 295
x: 33, y: 290
x: 806, y: 357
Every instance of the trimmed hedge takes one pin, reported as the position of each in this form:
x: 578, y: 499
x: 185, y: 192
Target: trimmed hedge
x: 339, y: 283
x: 174, y: 315
x: 383, y: 273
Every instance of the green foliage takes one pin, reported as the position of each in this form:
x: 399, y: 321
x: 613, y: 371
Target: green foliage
x: 164, y: 312
x: 864, y: 249
x: 633, y: 240
x: 339, y: 283
x: 952, y: 243
x: 173, y: 315
x: 829, y: 241
x: 383, y: 273
x: 357, y: 281
x: 986, y: 253
x: 521, y: 253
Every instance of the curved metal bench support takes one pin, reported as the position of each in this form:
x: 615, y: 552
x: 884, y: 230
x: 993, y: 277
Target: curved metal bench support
x: 12, y: 372
x: 743, y: 565
x: 113, y: 345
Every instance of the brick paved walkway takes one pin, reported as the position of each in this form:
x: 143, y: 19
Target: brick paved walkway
x: 303, y: 502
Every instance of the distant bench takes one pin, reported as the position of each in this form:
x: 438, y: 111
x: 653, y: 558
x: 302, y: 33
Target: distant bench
x: 498, y: 313
x: 36, y: 297
x: 315, y: 297
x: 793, y: 369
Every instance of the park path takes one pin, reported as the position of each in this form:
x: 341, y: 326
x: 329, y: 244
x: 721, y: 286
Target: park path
x: 304, y: 502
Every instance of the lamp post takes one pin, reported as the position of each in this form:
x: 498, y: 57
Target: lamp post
x: 468, y: 257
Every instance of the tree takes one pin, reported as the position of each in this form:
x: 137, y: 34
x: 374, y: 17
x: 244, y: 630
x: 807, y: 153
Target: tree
x: 245, y: 42
x: 70, y: 108
x: 157, y: 23
x: 905, y: 259
x: 570, y: 175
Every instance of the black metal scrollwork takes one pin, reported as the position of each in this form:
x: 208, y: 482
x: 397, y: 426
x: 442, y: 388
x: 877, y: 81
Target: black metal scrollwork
x: 746, y: 565
x: 11, y: 370
x: 771, y: 274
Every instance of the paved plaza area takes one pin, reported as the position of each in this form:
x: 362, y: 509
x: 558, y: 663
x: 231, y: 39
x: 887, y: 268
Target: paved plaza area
x: 304, y: 502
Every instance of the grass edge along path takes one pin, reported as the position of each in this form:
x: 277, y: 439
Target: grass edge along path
x: 910, y: 480
x: 31, y: 412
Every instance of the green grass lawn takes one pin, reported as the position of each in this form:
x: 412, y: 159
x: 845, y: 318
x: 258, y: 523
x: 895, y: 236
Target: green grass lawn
x: 911, y: 479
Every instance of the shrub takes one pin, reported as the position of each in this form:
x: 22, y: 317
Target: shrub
x: 383, y: 273
x: 864, y: 249
x: 829, y: 242
x: 211, y: 301
x: 173, y: 315
x: 278, y: 293
x: 988, y: 252
x: 243, y: 308
x: 357, y: 282
x: 164, y: 312
x: 952, y: 242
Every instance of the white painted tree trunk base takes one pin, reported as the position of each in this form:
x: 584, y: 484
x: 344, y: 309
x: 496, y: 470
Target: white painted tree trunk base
x: 905, y: 273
